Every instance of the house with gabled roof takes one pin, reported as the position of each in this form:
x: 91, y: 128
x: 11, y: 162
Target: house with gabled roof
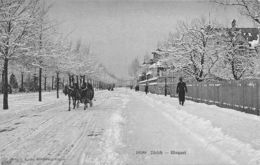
x: 250, y: 36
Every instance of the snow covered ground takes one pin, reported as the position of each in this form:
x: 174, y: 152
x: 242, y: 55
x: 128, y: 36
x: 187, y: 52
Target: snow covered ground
x: 126, y: 127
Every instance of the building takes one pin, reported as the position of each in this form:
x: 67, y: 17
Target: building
x: 248, y: 36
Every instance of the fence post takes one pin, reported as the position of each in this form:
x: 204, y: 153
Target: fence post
x: 197, y: 91
x: 243, y: 93
x: 191, y: 94
x: 232, y: 93
x: 165, y: 87
x: 220, y: 99
x: 253, y: 90
x: 200, y: 91
x: 257, y: 97
x: 207, y: 97
x: 214, y: 93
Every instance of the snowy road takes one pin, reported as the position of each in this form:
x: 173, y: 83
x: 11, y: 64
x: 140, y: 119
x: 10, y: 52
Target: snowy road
x: 125, y: 127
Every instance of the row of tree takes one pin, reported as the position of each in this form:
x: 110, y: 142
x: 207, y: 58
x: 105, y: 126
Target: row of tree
x: 30, y: 83
x: 29, y: 41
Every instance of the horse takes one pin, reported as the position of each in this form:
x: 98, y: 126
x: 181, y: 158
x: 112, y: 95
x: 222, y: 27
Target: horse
x: 87, y: 94
x: 74, y: 93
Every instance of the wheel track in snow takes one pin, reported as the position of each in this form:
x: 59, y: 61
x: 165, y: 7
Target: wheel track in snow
x: 64, y: 150
x: 53, y: 149
x: 51, y: 128
x: 79, y: 144
x: 27, y: 96
x: 35, y: 131
x: 45, y: 130
x: 83, y: 147
x: 38, y: 109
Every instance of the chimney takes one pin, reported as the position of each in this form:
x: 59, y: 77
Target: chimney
x: 233, y: 24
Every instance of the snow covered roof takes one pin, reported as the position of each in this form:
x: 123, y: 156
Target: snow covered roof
x: 254, y: 43
x: 158, y: 54
x: 149, y: 73
x: 151, y: 79
x: 161, y: 64
x: 153, y: 66
x: 154, y: 78
x: 249, y: 33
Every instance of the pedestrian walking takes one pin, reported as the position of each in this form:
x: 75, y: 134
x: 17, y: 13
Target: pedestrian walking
x: 181, y: 90
x: 137, y: 88
x: 146, y: 88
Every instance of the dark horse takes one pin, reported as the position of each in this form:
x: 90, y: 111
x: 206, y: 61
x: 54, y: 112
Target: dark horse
x: 83, y: 95
x: 87, y: 94
x: 74, y: 93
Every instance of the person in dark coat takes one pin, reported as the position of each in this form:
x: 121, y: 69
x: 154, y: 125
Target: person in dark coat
x: 89, y: 86
x: 137, y: 88
x: 146, y: 88
x: 181, y: 90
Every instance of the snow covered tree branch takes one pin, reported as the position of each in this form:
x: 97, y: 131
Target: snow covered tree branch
x: 248, y: 8
x: 21, y: 29
x: 195, y: 50
x: 237, y: 55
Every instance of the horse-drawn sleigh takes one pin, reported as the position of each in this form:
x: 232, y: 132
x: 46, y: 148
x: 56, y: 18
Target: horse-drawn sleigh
x: 84, y: 95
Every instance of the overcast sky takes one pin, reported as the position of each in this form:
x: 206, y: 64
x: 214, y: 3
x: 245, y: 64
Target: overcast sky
x: 119, y: 30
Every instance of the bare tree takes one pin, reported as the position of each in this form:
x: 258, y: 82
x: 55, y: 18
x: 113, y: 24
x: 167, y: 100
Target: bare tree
x: 44, y: 44
x: 195, y: 50
x: 248, y: 8
x: 236, y: 53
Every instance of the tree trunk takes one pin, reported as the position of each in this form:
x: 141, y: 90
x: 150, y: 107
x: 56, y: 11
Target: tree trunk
x: 77, y: 79
x: 57, y: 85
x: 80, y: 80
x: 45, y: 82
x: 70, y: 79
x: 84, y: 79
x: 22, y: 82
x: 34, y: 82
x: 40, y: 84
x: 3, y: 81
x: 5, y: 84
x: 52, y: 80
